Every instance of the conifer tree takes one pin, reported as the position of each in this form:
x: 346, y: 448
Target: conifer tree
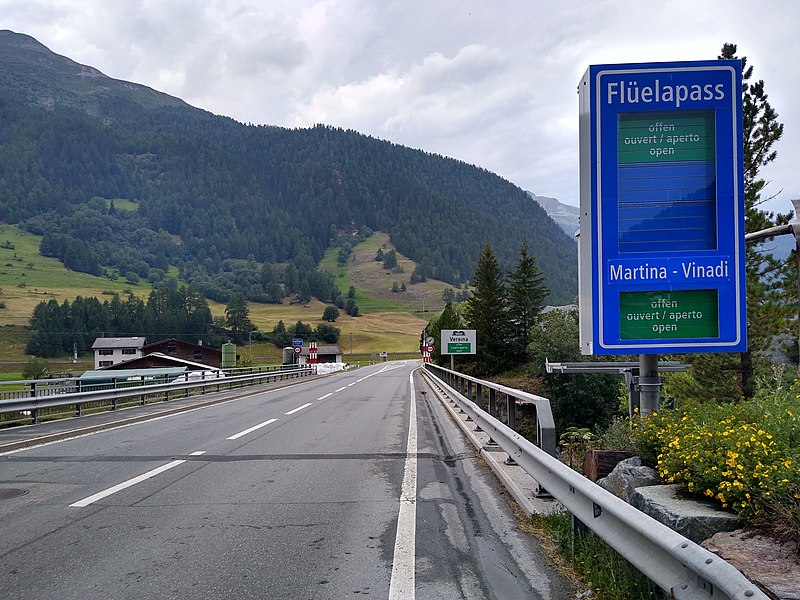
x: 237, y: 314
x: 526, y: 294
x: 768, y: 312
x: 721, y: 376
x: 486, y: 312
x: 449, y: 318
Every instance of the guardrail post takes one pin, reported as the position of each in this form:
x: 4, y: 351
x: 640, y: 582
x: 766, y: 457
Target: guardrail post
x: 78, y: 407
x: 35, y: 416
x: 511, y: 410
x: 492, y: 411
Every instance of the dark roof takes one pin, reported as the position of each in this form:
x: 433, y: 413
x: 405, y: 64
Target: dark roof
x: 323, y: 350
x: 127, y: 342
x: 158, y: 357
x: 181, y: 343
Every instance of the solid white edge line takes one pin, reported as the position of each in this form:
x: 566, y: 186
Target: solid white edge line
x: 306, y: 405
x: 401, y: 586
x: 251, y: 429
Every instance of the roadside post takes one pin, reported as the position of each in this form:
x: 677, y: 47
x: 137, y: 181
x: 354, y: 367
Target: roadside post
x: 312, y: 356
x: 297, y: 349
x: 661, y: 251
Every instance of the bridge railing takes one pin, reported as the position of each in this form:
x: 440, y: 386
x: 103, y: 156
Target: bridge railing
x: 35, y: 405
x: 487, y: 393
x: 57, y: 386
x: 677, y: 565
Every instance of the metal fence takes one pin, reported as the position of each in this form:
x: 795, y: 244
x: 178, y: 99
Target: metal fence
x: 677, y: 565
x: 59, y: 398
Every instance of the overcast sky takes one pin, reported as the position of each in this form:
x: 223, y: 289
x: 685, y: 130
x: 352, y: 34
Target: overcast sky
x: 490, y: 82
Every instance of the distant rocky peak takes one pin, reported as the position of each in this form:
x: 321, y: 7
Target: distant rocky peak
x: 566, y: 216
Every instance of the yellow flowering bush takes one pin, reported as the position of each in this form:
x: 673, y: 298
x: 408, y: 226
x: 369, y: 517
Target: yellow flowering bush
x: 744, y: 455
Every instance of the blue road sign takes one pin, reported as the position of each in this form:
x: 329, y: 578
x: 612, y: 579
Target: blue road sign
x: 661, y: 248
x: 297, y: 342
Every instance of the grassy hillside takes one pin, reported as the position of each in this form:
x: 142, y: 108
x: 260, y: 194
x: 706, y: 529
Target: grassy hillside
x: 390, y: 322
x: 373, y: 283
x: 27, y: 278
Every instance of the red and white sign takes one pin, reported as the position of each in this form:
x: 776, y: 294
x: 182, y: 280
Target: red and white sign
x: 298, y: 349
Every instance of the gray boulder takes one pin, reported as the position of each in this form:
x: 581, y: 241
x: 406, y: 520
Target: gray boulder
x: 628, y: 475
x: 693, y: 517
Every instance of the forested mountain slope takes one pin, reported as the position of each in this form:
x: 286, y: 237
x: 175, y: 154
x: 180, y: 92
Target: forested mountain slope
x: 208, y: 189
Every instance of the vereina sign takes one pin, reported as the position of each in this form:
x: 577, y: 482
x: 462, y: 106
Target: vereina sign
x: 661, y: 248
x: 458, y: 341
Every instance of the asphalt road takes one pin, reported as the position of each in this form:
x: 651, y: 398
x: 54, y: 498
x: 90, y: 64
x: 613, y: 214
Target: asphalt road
x: 345, y: 486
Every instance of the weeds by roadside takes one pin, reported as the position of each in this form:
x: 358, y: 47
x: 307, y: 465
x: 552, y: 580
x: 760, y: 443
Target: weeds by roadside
x: 607, y: 574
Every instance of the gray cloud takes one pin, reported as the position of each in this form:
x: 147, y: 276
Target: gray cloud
x: 489, y: 83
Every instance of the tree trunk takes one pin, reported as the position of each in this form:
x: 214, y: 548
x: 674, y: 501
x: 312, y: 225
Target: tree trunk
x: 748, y: 379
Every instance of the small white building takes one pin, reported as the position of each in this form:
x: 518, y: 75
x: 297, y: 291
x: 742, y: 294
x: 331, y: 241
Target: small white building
x: 110, y: 351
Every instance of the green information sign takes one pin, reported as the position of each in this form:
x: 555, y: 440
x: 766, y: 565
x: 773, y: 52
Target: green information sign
x: 459, y: 348
x: 665, y: 136
x: 689, y: 314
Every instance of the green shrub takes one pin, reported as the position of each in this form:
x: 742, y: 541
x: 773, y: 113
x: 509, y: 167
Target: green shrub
x: 745, y: 455
x: 36, y: 368
x: 574, y: 443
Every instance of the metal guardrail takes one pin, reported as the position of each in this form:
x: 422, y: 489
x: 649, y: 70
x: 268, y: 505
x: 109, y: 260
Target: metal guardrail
x: 32, y: 409
x: 476, y: 388
x: 677, y: 565
x: 56, y: 386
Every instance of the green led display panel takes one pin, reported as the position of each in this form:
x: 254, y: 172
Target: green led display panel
x: 666, y: 136
x: 688, y: 314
